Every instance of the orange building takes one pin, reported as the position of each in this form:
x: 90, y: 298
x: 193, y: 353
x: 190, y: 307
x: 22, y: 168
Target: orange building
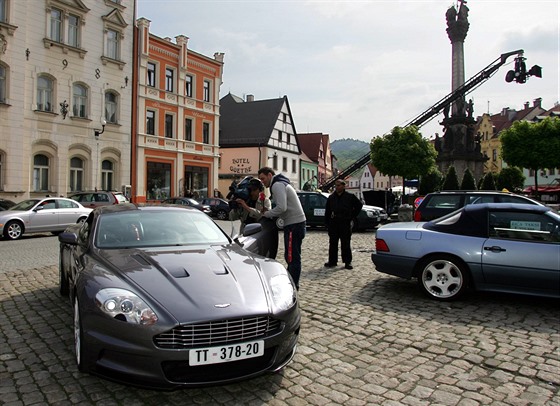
x: 175, y: 143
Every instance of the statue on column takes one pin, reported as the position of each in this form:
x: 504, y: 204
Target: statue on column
x: 457, y: 22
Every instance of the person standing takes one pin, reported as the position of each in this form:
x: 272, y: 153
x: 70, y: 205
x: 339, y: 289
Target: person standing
x: 289, y: 209
x: 341, y: 208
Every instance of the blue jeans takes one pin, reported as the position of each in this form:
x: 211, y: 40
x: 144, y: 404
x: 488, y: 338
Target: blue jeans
x: 293, y: 238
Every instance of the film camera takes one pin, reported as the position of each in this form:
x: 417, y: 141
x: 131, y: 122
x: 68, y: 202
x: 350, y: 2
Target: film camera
x: 243, y: 190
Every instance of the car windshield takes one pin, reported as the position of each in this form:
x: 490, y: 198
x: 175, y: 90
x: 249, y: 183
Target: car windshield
x: 25, y: 205
x: 153, y: 228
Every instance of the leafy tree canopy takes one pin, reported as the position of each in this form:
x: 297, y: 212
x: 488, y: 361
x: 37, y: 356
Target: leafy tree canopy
x: 488, y: 182
x: 430, y: 182
x: 510, y: 178
x: 403, y: 152
x: 468, y: 182
x: 451, y: 181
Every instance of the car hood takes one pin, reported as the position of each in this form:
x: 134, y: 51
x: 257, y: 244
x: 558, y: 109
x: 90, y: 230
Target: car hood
x: 196, y: 283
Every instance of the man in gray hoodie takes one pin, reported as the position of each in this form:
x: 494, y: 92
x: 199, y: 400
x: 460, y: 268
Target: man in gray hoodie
x: 288, y: 208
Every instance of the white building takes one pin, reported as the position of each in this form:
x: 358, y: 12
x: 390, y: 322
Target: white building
x: 65, y: 96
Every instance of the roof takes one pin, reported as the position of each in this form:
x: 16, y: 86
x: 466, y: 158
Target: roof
x: 248, y: 123
x: 310, y: 143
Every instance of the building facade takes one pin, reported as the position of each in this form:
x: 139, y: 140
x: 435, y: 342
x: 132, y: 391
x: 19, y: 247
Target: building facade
x: 176, y: 139
x: 65, y: 96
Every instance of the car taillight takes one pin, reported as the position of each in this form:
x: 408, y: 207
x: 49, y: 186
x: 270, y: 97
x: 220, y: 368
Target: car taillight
x: 381, y: 245
x: 417, y: 215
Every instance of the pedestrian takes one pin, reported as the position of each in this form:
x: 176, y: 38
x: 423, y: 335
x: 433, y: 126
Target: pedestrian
x: 288, y: 208
x: 251, y: 211
x: 342, y: 207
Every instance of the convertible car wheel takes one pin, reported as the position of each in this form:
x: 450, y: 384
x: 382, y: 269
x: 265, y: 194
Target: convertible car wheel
x: 78, y: 337
x: 221, y: 215
x: 443, y: 278
x: 13, y: 230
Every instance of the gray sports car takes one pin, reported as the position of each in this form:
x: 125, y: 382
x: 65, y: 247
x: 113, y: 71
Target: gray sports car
x: 498, y: 247
x: 162, y: 297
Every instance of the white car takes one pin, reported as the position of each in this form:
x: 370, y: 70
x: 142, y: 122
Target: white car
x: 383, y: 216
x: 51, y: 214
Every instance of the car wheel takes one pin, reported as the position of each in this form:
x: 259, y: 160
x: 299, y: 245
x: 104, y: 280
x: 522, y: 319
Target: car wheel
x: 78, y: 337
x: 221, y: 215
x: 443, y: 277
x: 62, y: 279
x: 13, y: 230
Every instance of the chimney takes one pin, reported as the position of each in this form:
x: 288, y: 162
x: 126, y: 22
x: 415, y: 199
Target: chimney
x: 505, y: 111
x: 250, y: 98
x: 168, y: 39
x: 537, y: 102
x: 526, y: 105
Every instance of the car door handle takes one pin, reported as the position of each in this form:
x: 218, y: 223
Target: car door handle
x: 494, y: 248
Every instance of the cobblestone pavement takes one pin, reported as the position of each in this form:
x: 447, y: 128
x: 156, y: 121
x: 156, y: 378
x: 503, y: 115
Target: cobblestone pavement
x: 366, y: 339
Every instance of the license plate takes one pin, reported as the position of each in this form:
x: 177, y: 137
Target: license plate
x: 226, y: 353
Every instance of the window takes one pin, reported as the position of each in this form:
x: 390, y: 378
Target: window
x: 111, y: 105
x: 3, y: 11
x: 189, y: 85
x: 56, y: 25
x: 206, y: 133
x: 107, y: 175
x: 279, y: 136
x: 288, y: 138
x: 188, y: 129
x: 45, y: 88
x: 40, y: 173
x: 494, y: 154
x: 206, y: 91
x: 294, y: 166
x: 284, y: 117
x: 151, y: 74
x: 113, y: 38
x: 79, y: 102
x: 169, y: 126
x: 158, y: 180
x: 3, y: 84
x: 275, y: 162
x: 168, y: 79
x: 523, y: 226
x: 73, y: 30
x: 151, y: 122
x: 76, y: 174
x: 284, y: 164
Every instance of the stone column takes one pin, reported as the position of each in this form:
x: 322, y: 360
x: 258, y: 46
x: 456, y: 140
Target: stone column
x: 457, y: 27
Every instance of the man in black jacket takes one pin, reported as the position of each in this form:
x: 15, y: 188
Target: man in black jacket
x: 341, y: 208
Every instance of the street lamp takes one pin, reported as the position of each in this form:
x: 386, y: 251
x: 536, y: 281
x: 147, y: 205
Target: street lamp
x: 97, y: 133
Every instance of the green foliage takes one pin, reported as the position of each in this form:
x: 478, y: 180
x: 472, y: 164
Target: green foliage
x: 403, y: 152
x: 488, y: 182
x: 510, y: 178
x: 431, y: 182
x: 451, y: 181
x: 532, y: 145
x: 348, y: 151
x: 468, y: 182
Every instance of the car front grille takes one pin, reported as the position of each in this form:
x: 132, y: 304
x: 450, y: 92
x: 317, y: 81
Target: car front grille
x: 217, y: 332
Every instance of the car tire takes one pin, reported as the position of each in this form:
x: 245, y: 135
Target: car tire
x: 63, y: 285
x: 13, y: 230
x: 221, y: 215
x: 443, y: 277
x: 78, y: 338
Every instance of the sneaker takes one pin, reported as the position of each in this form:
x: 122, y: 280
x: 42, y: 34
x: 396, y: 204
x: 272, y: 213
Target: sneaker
x: 348, y: 266
x: 329, y: 265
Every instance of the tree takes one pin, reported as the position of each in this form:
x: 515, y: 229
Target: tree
x: 451, y: 181
x: 510, y: 178
x: 468, y: 182
x: 403, y: 152
x: 430, y: 182
x: 532, y: 145
x: 488, y: 182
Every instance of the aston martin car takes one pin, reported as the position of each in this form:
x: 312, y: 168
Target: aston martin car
x: 499, y: 247
x: 51, y: 214
x: 162, y: 297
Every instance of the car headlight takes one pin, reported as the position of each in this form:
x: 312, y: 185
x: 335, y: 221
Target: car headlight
x: 370, y: 214
x: 124, y: 305
x: 283, y: 292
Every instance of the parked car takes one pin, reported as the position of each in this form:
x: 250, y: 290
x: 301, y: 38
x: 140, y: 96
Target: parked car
x: 379, y: 211
x: 51, y: 214
x: 6, y: 204
x: 314, y: 204
x: 162, y: 297
x: 498, y: 247
x: 188, y: 201
x: 438, y: 204
x: 96, y: 199
x: 219, y: 208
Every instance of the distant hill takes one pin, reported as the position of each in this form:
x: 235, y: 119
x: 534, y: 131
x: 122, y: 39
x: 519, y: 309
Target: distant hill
x: 348, y: 150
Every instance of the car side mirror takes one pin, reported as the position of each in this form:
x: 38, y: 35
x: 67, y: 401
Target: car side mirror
x: 251, y: 229
x: 38, y: 208
x: 68, y: 238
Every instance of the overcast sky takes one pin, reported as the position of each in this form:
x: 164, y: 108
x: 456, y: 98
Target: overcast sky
x: 355, y: 69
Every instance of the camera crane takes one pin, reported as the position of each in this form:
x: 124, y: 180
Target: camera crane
x: 519, y: 75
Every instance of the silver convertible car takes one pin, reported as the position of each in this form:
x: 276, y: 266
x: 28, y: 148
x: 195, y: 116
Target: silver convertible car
x: 51, y: 214
x: 162, y: 297
x: 496, y: 247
